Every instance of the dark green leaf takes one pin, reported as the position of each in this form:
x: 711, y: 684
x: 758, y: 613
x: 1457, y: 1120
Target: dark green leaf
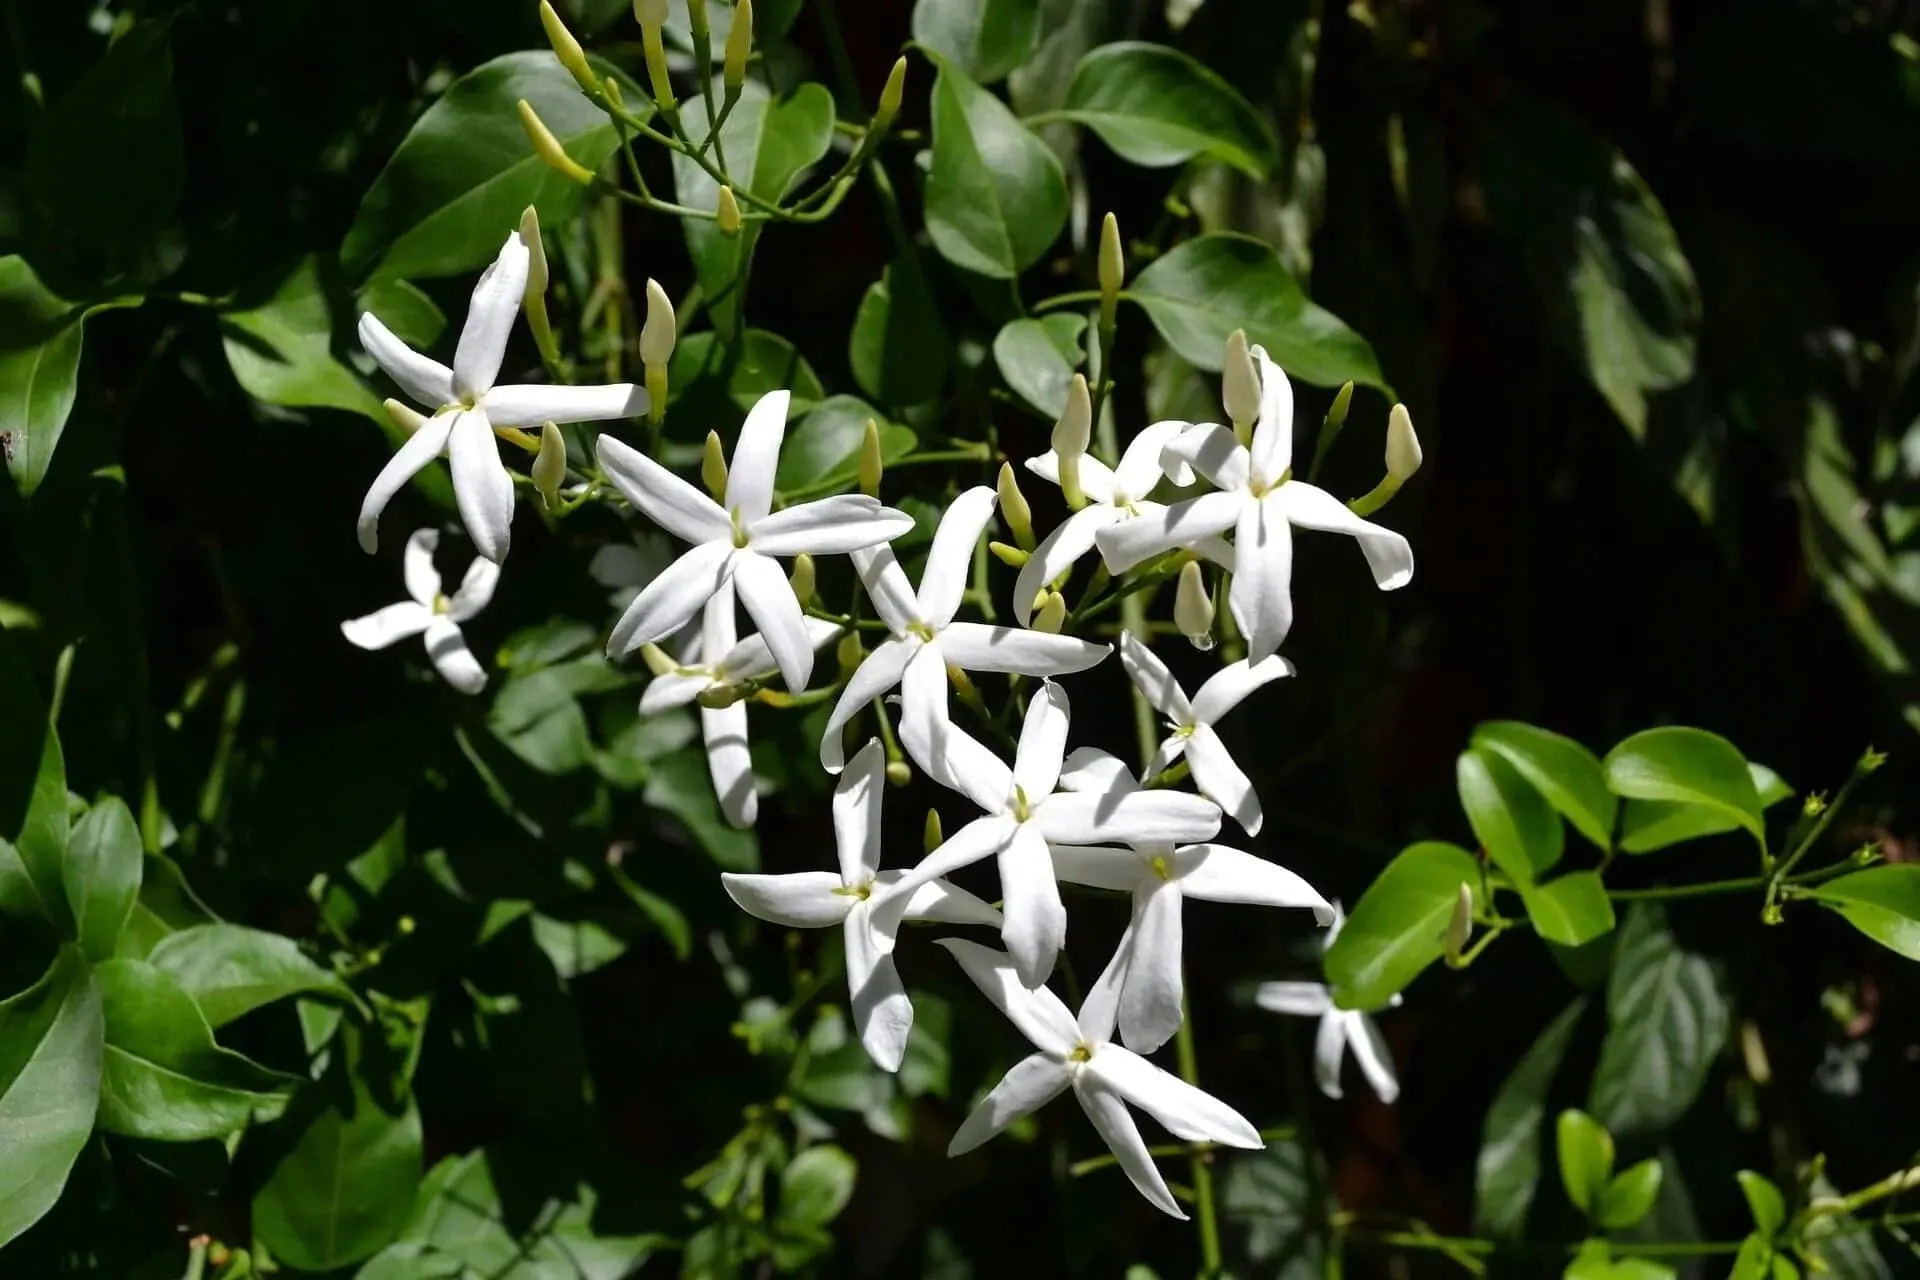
x: 1275, y: 1198
x: 1508, y: 1170
x: 1769, y: 1207
x: 996, y: 196
x: 1647, y: 826
x: 1571, y: 910
x: 1513, y: 822
x: 414, y: 318
x: 33, y: 799
x: 575, y: 946
x: 825, y: 447
x: 927, y: 1064
x: 1585, y: 1152
x: 102, y: 873
x: 1667, y: 1018
x: 1562, y: 770
x: 1881, y: 902
x: 1038, y: 358
x: 680, y: 785
x: 1156, y: 107
x: 817, y: 1185
x: 281, y: 351
x: 984, y: 38
x: 764, y: 362
x: 39, y: 371
x: 50, y: 1046
x: 1399, y: 925
x: 1691, y: 766
x: 900, y: 346
x: 1211, y: 285
x: 230, y: 970
x: 1629, y: 1196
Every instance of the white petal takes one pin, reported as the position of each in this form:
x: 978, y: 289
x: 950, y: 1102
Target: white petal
x: 1217, y: 873
x: 1036, y: 919
x: 1261, y: 594
x: 950, y: 560
x: 428, y: 383
x: 756, y: 457
x: 982, y: 838
x: 663, y: 693
x: 490, y: 317
x: 1227, y: 687
x: 1150, y: 1000
x: 770, y: 601
x: 751, y: 659
x: 1096, y: 481
x: 881, y: 1011
x: 1128, y: 542
x: 1091, y: 769
x: 1388, y: 554
x: 856, y: 814
x: 416, y: 566
x: 448, y: 651
x: 1307, y: 999
x: 481, y: 486
x: 730, y: 762
x: 1144, y: 817
x: 1329, y: 1047
x: 878, y: 672
x: 1033, y: 1082
x: 940, y: 902
x: 476, y: 589
x: 1273, y: 433
x: 419, y: 449
x: 1122, y: 1136
x: 1185, y: 1111
x: 383, y: 627
x: 680, y: 591
x: 1370, y: 1052
x: 975, y: 646
x: 1139, y: 470
x: 1037, y: 1012
x: 887, y: 586
x: 1043, y: 742
x: 718, y: 628
x: 833, y: 526
x: 530, y: 404
x: 1220, y: 780
x: 1099, y: 866
x: 662, y: 496
x: 1171, y: 748
x: 1212, y: 450
x: 1151, y: 677
x: 803, y: 900
x: 1057, y: 552
x: 1100, y: 1010
x: 949, y: 754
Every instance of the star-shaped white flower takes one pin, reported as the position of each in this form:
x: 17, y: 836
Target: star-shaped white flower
x: 1161, y: 876
x: 925, y: 639
x: 437, y: 616
x: 717, y: 659
x: 467, y: 407
x: 1339, y: 1028
x: 1260, y: 501
x: 1215, y: 775
x: 1024, y: 814
x: 737, y: 542
x: 816, y: 899
x: 1079, y: 1054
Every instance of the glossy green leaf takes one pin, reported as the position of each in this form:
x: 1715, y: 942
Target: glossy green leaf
x: 1571, y: 910
x: 1647, y: 826
x: 1629, y: 1196
x: 1038, y: 358
x: 230, y: 970
x: 1277, y: 1201
x: 50, y: 1047
x: 1507, y: 1173
x: 33, y: 800
x: 899, y: 348
x: 39, y: 371
x: 817, y: 1185
x: 706, y: 376
x: 1882, y: 902
x: 102, y: 873
x: 1667, y: 1018
x: 1155, y: 106
x: 281, y: 351
x: 824, y: 449
x: 1768, y: 1206
x: 1585, y: 1152
x: 984, y: 38
x: 1205, y: 288
x: 1691, y: 766
x: 458, y: 182
x: 1562, y: 770
x: 996, y: 198
x: 164, y: 1077
x: 1754, y: 1261
x: 345, y: 1188
x: 1513, y: 822
x: 414, y: 318
x: 1399, y: 925
x: 680, y: 785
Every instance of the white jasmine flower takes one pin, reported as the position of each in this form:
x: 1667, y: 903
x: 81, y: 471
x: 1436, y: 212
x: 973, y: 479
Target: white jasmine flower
x: 1160, y: 877
x: 925, y: 639
x: 717, y: 660
x: 436, y: 616
x: 816, y: 899
x: 1260, y: 501
x: 1079, y: 1054
x: 1024, y: 814
x: 736, y: 543
x: 1215, y: 775
x: 467, y: 407
x: 1339, y: 1029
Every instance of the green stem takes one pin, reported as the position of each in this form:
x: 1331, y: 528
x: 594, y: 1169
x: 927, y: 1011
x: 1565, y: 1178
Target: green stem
x: 1709, y: 888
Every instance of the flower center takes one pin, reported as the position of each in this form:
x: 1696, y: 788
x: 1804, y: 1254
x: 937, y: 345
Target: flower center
x: 739, y: 529
x: 1021, y: 810
x: 1082, y: 1052
x: 441, y: 604
x: 860, y: 892
x: 1160, y: 867
x: 921, y: 631
x: 1261, y: 489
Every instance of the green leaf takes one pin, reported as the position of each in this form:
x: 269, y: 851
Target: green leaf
x: 1647, y: 826
x: 282, y: 350
x: 1667, y: 1018
x: 1155, y: 106
x: 1881, y: 902
x: 33, y: 800
x: 1038, y: 358
x: 1629, y: 1197
x: 164, y: 1077
x: 39, y: 371
x: 1585, y: 1151
x: 768, y: 144
x: 1691, y: 766
x: 741, y: 374
x: 230, y: 970
x: 1507, y: 1172
x: 1278, y: 1200
x: 413, y: 317
x: 1769, y: 1207
x: 1208, y: 286
x: 102, y: 874
x: 996, y: 198
x: 680, y: 785
x: 458, y: 182
x: 1562, y: 770
x: 1513, y: 822
x: 1571, y: 910
x: 346, y: 1188
x: 50, y: 1046
x: 817, y: 1186
x: 984, y: 38
x: 899, y: 347
x: 825, y: 447
x: 575, y: 946
x: 1754, y: 1261
x: 1399, y: 925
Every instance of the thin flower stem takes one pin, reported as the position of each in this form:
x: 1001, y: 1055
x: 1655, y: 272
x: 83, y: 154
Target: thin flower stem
x: 1075, y: 298
x: 1709, y: 888
x: 1868, y: 763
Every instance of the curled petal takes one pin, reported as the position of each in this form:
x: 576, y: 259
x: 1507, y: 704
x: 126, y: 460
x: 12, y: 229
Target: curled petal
x: 756, y: 456
x: 1115, y: 1125
x: 1043, y: 742
x: 476, y: 589
x: 1185, y: 1111
x: 1217, y: 873
x: 882, y: 1013
x: 664, y: 693
x: 769, y: 599
x: 1091, y: 769
x: 1037, y: 1012
x: 426, y: 382
x: 975, y: 646
x: 1099, y: 866
x: 1150, y: 999
x: 1230, y: 685
x: 803, y: 900
x: 949, y: 755
x: 1140, y: 470
x: 833, y: 526
x: 1273, y: 433
x: 1151, y: 677
x: 1219, y: 779
x: 1036, y: 919
x: 878, y: 672
x: 1057, y: 552
x: 1034, y: 1081
x: 416, y: 566
x: 387, y: 626
x: 1184, y: 524
x: 1211, y: 450
x: 662, y: 496
x: 730, y: 762
x: 1096, y: 480
x: 1140, y: 818
x: 490, y: 317
x: 1370, y: 1051
x: 1388, y: 554
x: 887, y: 586
x: 448, y: 651
x: 751, y: 659
x: 680, y: 591
x: 420, y: 448
x: 530, y: 404
x: 481, y: 485
x: 1304, y: 999
x: 856, y: 814
x: 1329, y: 1048
x: 943, y: 903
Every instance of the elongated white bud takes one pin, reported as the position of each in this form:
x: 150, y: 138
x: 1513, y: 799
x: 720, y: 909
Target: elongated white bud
x: 1193, y: 606
x: 567, y: 49
x: 1014, y: 509
x: 1070, y: 437
x: 872, y: 464
x: 550, y: 465
x: 1240, y: 385
x: 713, y: 467
x: 548, y: 147
x: 404, y: 416
x: 1403, y: 446
x: 1052, y: 615
x: 733, y: 67
x: 801, y: 579
x: 660, y: 331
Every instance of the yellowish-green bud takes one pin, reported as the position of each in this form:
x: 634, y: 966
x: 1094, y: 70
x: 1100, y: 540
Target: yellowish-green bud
x: 653, y: 17
x: 611, y: 85
x: 1051, y: 615
x: 800, y: 577
x: 404, y: 416
x: 1113, y: 269
x: 1403, y: 446
x: 931, y: 836
x: 733, y: 68
x: 891, y: 95
x: 1193, y: 606
x: 650, y: 13
x: 567, y: 49
x: 849, y: 652
x: 962, y: 683
x: 1240, y: 385
x: 659, y: 333
x: 657, y: 660
x: 1342, y: 401
x: 719, y: 697
x: 548, y: 147
x: 1460, y: 924
x: 871, y: 463
x: 1070, y: 436
x: 1012, y: 557
x: 550, y: 465
x: 536, y: 252
x: 697, y: 20
x: 713, y: 467
x: 898, y: 773
x: 727, y: 213
x: 1014, y: 509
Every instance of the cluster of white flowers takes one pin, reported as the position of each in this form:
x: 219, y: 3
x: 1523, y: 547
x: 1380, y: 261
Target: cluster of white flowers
x: 1051, y: 815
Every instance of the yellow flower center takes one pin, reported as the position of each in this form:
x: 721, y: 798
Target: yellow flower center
x: 1021, y: 810
x: 1160, y: 867
x: 921, y: 631
x: 1082, y: 1052
x: 441, y: 604
x: 739, y: 530
x: 860, y: 892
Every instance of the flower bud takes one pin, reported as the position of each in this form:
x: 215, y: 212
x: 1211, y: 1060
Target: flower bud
x: 657, y: 335
x: 404, y: 416
x: 1012, y: 557
x: 1070, y: 436
x: 1403, y: 446
x: 1014, y: 509
x: 550, y: 465
x: 1192, y: 606
x: 1342, y: 400
x: 733, y: 67
x: 567, y: 49
x: 650, y: 13
x: 849, y: 652
x: 548, y: 147
x: 657, y: 660
x: 653, y: 17
x: 713, y: 467
x: 727, y: 213
x: 898, y: 773
x: 1240, y: 385
x: 611, y: 86
x: 931, y: 836
x: 800, y: 577
x: 1460, y: 924
x: 1052, y: 615
x: 718, y: 697
x: 1113, y: 269
x: 871, y: 463
x: 891, y: 96
x: 536, y: 252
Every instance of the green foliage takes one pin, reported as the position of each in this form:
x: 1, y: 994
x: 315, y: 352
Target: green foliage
x: 984, y: 38
x: 1562, y: 770
x: 1667, y: 1018
x: 1507, y: 1172
x: 1687, y: 766
x: 1399, y: 925
x: 996, y: 197
x: 1156, y: 106
x: 1881, y: 902
x: 39, y: 370
x: 50, y: 1058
